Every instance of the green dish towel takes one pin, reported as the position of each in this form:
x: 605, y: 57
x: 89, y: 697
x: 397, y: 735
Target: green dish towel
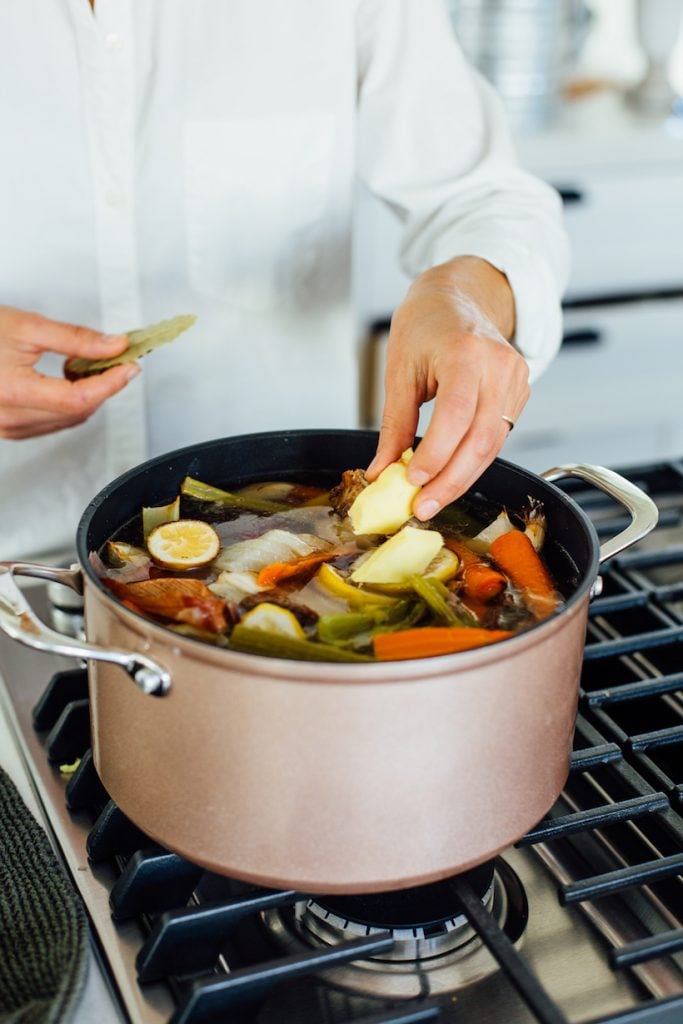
x: 43, y: 930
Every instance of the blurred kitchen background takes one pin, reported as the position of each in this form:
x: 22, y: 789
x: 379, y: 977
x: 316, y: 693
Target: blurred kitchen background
x: 593, y: 89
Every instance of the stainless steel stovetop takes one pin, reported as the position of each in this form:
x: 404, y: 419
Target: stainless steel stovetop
x: 593, y: 885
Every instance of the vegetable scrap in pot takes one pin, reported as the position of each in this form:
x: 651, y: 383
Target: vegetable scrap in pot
x: 181, y: 600
x: 288, y: 570
x: 183, y: 544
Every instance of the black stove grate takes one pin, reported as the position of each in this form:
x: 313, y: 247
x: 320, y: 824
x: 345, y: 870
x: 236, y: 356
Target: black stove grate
x: 625, y: 792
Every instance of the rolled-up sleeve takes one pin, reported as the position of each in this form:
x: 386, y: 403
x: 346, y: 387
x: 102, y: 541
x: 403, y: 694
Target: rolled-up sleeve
x: 434, y: 144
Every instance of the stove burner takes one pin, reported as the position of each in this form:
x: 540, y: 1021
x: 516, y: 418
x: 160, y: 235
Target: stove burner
x: 421, y: 912
x: 435, y: 949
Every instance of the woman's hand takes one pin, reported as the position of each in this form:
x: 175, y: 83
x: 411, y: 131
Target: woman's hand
x: 448, y: 341
x: 31, y: 403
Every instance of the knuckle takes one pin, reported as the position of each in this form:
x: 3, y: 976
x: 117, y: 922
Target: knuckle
x: 82, y: 337
x: 391, y: 424
x: 401, y: 368
x: 464, y: 353
x: 484, y: 441
x: 83, y: 402
x: 73, y: 401
x: 511, y: 360
x: 458, y: 405
x: 521, y: 373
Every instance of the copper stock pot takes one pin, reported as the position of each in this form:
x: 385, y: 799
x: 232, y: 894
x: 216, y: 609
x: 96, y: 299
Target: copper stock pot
x: 337, y: 778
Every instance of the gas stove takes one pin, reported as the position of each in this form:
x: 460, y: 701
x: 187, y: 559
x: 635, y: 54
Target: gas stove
x: 580, y: 923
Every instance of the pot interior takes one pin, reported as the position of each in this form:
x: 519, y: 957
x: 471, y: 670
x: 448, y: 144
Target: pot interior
x: 570, y: 551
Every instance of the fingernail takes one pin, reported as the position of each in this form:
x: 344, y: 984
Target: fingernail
x: 417, y: 477
x: 111, y: 340
x: 132, y: 371
x: 426, y: 509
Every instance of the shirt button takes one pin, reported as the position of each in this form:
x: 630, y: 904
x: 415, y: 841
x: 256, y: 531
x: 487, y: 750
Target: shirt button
x: 113, y: 41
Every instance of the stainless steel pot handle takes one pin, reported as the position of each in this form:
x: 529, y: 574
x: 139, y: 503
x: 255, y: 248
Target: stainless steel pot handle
x: 644, y: 512
x: 20, y: 622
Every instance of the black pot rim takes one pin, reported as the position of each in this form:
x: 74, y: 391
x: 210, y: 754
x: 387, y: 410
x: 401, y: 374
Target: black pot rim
x: 184, y: 455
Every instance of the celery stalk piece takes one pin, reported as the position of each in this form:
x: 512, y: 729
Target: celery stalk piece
x: 355, y: 629
x: 435, y: 596
x: 192, y: 488
x: 272, y: 645
x: 407, y: 615
x: 334, y: 629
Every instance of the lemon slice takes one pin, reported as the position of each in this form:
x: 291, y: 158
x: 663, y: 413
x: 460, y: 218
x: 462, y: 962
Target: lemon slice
x: 332, y: 581
x: 274, y: 619
x: 183, y: 544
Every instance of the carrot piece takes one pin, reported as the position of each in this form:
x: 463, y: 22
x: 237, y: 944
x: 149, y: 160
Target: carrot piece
x: 515, y: 555
x: 431, y: 640
x: 273, y: 574
x: 481, y: 582
x: 481, y: 612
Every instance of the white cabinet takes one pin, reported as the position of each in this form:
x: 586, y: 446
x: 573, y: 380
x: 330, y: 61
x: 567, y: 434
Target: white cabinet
x: 626, y: 231
x: 613, y: 395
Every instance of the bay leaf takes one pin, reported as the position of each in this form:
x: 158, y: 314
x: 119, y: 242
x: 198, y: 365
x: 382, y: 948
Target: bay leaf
x: 140, y: 342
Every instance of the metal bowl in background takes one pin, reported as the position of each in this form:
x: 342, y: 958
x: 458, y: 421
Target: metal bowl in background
x: 525, y: 48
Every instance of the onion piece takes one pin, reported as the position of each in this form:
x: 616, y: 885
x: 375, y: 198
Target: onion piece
x: 234, y: 586
x: 273, y: 546
x: 500, y: 525
x: 536, y: 523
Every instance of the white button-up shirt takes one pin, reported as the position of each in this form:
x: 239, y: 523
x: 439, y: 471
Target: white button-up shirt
x: 164, y: 157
